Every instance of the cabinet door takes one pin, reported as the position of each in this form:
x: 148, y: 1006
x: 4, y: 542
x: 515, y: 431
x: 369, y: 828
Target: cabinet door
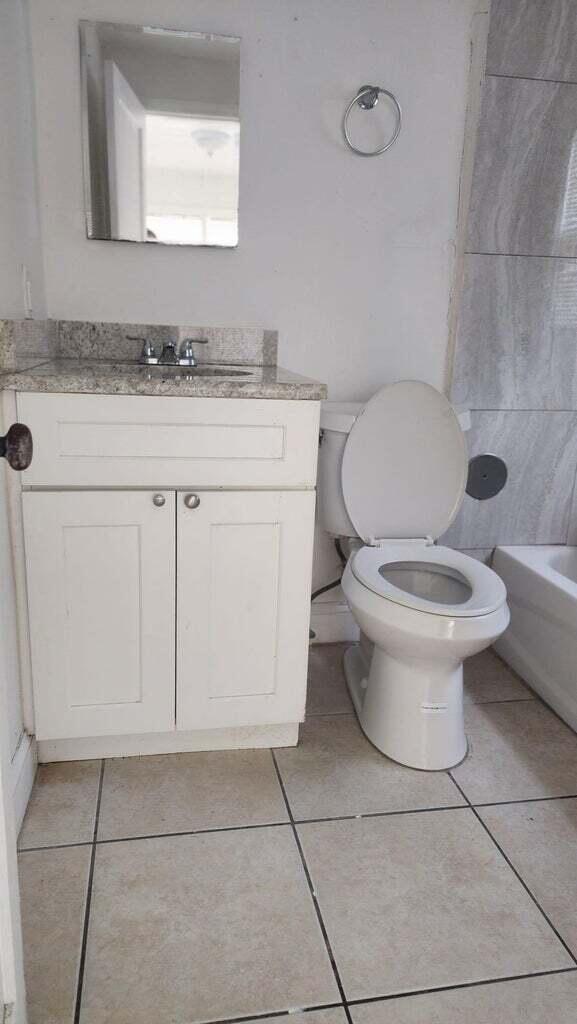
x: 101, y: 578
x: 243, y: 608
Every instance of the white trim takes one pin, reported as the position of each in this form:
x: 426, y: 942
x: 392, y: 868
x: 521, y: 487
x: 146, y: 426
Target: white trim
x: 16, y: 527
x: 332, y: 621
x: 24, y: 765
x: 285, y: 735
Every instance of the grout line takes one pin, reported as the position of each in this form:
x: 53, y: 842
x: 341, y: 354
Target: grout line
x: 304, y: 821
x: 276, y: 824
x: 82, y: 962
x: 525, y: 256
x: 193, y: 832
x: 53, y: 846
x: 461, y: 985
x: 530, y: 78
x: 516, y: 873
x: 380, y: 814
x: 527, y: 800
x: 294, y: 1012
x: 312, y: 892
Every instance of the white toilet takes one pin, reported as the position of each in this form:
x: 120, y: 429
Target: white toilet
x: 393, y: 473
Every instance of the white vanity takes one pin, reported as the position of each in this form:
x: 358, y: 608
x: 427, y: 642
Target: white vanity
x: 168, y: 557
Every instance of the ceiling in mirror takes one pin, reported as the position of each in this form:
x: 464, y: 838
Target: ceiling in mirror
x: 161, y: 129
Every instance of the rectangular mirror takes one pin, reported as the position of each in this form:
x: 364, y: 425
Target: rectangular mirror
x: 161, y: 126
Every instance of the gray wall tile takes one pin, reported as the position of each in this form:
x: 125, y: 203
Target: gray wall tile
x: 517, y: 337
x: 534, y: 39
x: 484, y: 555
x: 540, y: 449
x: 524, y: 192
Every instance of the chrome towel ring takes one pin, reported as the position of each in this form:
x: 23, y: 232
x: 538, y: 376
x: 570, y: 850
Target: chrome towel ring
x: 367, y: 97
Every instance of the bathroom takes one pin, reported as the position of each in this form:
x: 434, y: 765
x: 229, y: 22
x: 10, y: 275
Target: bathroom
x: 233, y: 787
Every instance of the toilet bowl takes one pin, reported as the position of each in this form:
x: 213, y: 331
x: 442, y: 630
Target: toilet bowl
x: 393, y: 473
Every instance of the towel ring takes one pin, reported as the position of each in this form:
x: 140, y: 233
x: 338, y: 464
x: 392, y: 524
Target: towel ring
x: 367, y: 98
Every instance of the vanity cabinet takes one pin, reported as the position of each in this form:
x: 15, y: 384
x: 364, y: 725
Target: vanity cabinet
x: 172, y: 608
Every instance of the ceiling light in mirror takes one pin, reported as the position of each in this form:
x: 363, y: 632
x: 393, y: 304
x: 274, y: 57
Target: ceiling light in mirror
x: 161, y: 134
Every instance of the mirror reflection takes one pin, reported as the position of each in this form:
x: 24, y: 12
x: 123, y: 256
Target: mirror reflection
x: 161, y: 134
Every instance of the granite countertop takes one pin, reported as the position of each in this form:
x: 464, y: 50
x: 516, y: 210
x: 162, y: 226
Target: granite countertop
x: 96, y: 377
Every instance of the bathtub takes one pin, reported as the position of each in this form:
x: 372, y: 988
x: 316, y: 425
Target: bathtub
x: 541, y: 641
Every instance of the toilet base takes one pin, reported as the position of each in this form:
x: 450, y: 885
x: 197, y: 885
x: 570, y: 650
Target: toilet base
x: 411, y: 711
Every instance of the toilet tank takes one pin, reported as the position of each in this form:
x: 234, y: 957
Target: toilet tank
x: 337, y: 418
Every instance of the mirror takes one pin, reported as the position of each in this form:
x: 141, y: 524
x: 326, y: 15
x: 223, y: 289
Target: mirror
x: 161, y: 127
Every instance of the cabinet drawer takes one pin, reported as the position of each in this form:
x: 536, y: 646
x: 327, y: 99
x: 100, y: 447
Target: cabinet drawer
x: 120, y: 441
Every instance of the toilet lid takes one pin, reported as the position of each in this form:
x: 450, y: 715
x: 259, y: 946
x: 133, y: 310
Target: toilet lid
x: 404, y: 466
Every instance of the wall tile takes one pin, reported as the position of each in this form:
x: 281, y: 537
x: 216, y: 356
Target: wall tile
x: 524, y: 192
x: 484, y: 555
x: 540, y: 449
x: 534, y: 39
x: 517, y: 337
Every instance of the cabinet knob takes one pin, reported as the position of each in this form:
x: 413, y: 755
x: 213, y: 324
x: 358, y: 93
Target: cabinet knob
x: 191, y: 500
x: 159, y: 500
x: 16, y: 446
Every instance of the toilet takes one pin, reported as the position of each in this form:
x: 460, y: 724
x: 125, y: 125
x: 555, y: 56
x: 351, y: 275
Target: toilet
x: 392, y: 476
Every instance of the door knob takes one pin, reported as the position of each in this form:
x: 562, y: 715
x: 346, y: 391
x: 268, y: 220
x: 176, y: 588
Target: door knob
x: 159, y: 500
x: 16, y: 446
x: 191, y: 500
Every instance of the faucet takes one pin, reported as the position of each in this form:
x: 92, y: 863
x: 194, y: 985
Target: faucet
x: 186, y: 356
x: 168, y: 356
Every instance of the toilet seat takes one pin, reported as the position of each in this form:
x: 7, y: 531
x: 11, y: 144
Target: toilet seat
x: 404, y: 467
x: 487, y: 591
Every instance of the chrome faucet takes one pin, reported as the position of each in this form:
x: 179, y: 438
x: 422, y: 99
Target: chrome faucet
x: 168, y: 356
x: 186, y: 356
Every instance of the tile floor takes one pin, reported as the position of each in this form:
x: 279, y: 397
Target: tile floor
x: 322, y: 879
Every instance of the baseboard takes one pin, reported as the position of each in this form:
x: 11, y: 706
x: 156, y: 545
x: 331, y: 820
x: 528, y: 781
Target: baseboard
x: 243, y: 737
x: 24, y: 765
x: 331, y: 621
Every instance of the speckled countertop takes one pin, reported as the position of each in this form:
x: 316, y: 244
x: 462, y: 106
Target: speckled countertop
x: 96, y: 377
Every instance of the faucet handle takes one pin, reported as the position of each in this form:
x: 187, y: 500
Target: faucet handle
x: 186, y: 355
x: 148, y: 354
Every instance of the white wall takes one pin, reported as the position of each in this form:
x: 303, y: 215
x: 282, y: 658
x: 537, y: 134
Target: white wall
x: 350, y: 259
x: 19, y: 229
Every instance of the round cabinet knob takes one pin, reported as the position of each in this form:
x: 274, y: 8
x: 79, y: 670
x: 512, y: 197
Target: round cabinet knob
x: 191, y: 500
x: 16, y: 446
x: 159, y: 500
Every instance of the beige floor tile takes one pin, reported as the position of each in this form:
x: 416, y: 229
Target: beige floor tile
x: 488, y: 678
x: 53, y: 887
x: 528, y: 1001
x: 327, y: 689
x: 416, y: 901
x: 517, y: 751
x: 183, y: 792
x: 62, y: 807
x: 194, y: 928
x: 335, y: 770
x: 540, y: 840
